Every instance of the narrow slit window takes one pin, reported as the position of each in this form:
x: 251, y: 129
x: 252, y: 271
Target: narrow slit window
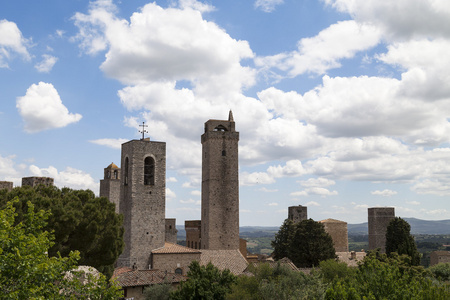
x: 149, y: 171
x: 125, y: 179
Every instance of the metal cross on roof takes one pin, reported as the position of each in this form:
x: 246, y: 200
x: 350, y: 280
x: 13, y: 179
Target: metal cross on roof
x: 143, y: 130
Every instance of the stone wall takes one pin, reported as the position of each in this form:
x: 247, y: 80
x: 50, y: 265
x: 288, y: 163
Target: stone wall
x: 6, y: 185
x: 171, y: 231
x: 220, y: 186
x: 35, y: 181
x: 193, y: 233
x: 171, y: 261
x: 379, y: 218
x: 338, y: 232
x: 142, y: 205
x: 297, y: 213
x: 437, y: 257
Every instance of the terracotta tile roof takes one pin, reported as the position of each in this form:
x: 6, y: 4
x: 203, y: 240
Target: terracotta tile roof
x: 284, y: 262
x: 118, y: 271
x: 170, y: 248
x: 225, y: 259
x: 146, y: 277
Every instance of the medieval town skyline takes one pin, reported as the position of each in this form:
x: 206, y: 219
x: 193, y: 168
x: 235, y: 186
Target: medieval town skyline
x: 341, y: 105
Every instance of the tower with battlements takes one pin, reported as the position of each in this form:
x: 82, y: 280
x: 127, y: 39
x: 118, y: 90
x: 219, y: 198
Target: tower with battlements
x: 297, y: 213
x: 220, y: 185
x: 142, y: 200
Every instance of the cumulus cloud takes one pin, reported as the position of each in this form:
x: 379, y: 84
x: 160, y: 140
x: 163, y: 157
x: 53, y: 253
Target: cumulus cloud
x: 47, y: 63
x: 170, y: 194
x: 384, y: 193
x: 111, y: 143
x: 323, y: 52
x: 41, y: 108
x: 316, y: 186
x: 70, y: 177
x: 292, y: 168
x: 12, y: 42
x: 8, y: 170
x: 267, y: 5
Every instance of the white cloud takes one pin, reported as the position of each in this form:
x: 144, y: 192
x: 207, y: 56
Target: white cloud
x: 41, y: 108
x: 11, y: 42
x: 312, y: 203
x: 171, y: 179
x: 111, y: 143
x: 46, y: 64
x: 266, y: 190
x: 323, y: 52
x: 170, y: 194
x: 317, y: 182
x: 272, y: 204
x: 402, y: 18
x: 8, y: 170
x: 267, y: 5
x: 191, y: 201
x: 413, y: 202
x: 384, y: 193
x: 196, y: 193
x: 70, y: 177
x: 318, y: 191
x: 196, y: 5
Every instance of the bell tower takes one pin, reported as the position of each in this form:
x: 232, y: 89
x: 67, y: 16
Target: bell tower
x: 142, y: 200
x: 220, y: 185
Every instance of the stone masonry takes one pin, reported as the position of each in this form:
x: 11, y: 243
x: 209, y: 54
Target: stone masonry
x: 193, y: 233
x: 220, y: 185
x: 171, y: 231
x: 6, y: 185
x: 110, y: 185
x: 142, y: 200
x: 379, y: 218
x: 338, y: 232
x: 35, y: 181
x: 297, y: 213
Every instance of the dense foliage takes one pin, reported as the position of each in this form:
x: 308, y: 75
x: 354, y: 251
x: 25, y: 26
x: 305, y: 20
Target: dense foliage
x: 400, y: 241
x: 277, y: 283
x: 158, y: 291
x: 26, y: 270
x: 204, y: 283
x: 383, y: 277
x: 79, y: 221
x: 306, y: 243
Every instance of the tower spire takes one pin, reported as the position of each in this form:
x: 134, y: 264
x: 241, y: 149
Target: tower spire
x: 230, y: 116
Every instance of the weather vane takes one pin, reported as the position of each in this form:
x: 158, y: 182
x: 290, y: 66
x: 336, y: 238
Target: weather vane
x: 143, y: 129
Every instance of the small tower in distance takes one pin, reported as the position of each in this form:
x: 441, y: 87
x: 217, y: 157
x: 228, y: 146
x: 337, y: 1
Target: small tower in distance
x: 110, y: 185
x: 379, y: 218
x: 297, y: 213
x: 220, y: 185
x: 142, y: 200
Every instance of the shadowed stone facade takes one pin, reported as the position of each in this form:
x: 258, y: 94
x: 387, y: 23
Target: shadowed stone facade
x: 110, y: 185
x: 338, y: 232
x: 171, y: 231
x: 142, y: 200
x: 379, y: 218
x: 220, y: 185
x: 193, y: 233
x: 6, y: 185
x: 297, y: 213
x: 35, y: 181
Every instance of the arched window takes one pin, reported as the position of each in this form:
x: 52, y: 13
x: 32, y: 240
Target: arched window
x: 149, y: 171
x: 125, y: 179
x: 179, y: 271
x: 115, y: 174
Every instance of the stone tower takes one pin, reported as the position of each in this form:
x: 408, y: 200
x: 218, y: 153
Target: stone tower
x: 110, y: 185
x: 220, y: 185
x: 142, y: 200
x: 338, y: 232
x: 297, y: 213
x: 35, y: 181
x: 379, y: 218
x: 6, y: 185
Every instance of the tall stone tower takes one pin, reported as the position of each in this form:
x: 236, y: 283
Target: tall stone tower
x: 110, y: 185
x: 379, y: 218
x: 297, y: 213
x: 142, y: 200
x: 220, y: 185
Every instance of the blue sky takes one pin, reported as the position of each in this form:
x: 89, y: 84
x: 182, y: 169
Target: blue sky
x: 341, y: 105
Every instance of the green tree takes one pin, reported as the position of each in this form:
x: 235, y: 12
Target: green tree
x: 382, y: 277
x: 282, y: 240
x: 399, y: 240
x: 441, y: 271
x: 205, y: 282
x: 332, y: 269
x: 26, y: 270
x: 158, y: 291
x: 79, y: 221
x: 310, y: 244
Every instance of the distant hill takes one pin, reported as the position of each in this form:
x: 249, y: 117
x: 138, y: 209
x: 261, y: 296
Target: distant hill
x: 417, y: 227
